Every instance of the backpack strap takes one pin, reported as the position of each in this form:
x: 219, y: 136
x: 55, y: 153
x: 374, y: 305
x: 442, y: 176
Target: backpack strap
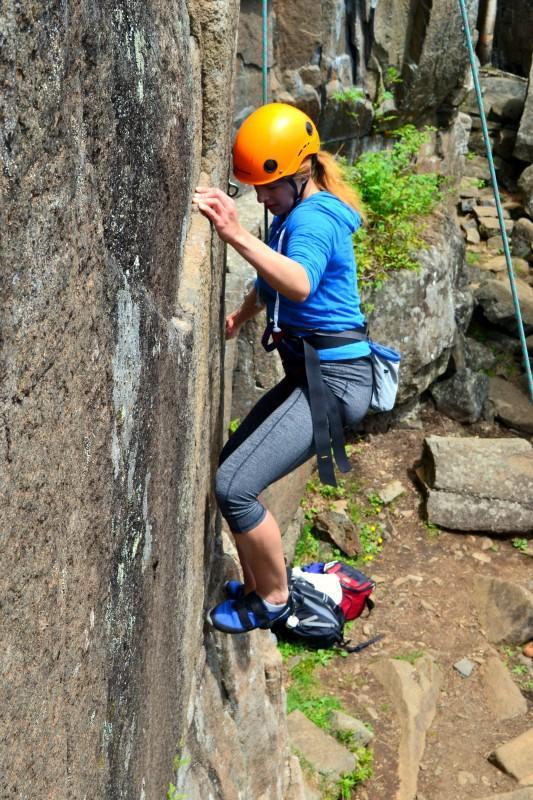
x: 370, y: 605
x: 361, y: 646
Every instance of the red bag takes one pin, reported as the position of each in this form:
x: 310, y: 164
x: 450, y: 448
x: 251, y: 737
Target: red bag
x: 356, y: 588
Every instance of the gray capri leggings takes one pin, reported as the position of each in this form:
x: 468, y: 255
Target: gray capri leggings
x: 277, y: 436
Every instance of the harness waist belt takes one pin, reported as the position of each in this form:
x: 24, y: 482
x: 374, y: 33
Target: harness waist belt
x: 326, y: 416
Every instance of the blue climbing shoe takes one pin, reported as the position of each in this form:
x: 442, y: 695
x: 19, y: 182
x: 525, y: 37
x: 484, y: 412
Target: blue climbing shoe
x: 234, y: 589
x: 245, y: 614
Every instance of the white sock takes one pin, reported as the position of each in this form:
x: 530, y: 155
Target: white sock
x: 273, y: 606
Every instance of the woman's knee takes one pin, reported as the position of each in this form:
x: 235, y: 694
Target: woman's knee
x: 238, y: 504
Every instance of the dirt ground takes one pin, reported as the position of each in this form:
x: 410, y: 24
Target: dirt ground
x: 432, y: 612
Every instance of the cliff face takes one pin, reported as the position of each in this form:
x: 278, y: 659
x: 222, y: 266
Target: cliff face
x: 110, y: 390
x: 413, y: 50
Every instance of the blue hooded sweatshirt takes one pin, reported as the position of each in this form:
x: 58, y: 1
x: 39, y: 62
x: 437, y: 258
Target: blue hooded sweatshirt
x: 318, y: 235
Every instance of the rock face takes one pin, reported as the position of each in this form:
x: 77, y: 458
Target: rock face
x: 316, y: 51
x: 479, y: 484
x: 524, y: 141
x: 110, y: 399
x: 513, y: 36
x: 414, y: 691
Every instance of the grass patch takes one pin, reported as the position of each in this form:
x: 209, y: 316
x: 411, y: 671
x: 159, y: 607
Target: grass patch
x: 472, y: 258
x: 433, y: 531
x: 520, y: 672
x: 304, y: 693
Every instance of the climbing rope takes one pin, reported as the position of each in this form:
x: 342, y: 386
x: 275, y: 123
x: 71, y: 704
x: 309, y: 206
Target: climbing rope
x: 265, y: 85
x: 488, y: 148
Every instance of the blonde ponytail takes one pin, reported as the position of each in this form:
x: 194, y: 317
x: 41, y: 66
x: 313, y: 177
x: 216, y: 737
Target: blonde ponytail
x: 327, y: 175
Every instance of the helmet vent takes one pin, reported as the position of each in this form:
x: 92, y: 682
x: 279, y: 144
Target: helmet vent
x: 270, y: 165
x: 309, y: 128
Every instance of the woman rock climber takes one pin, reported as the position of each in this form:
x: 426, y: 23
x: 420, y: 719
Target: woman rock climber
x: 307, y: 279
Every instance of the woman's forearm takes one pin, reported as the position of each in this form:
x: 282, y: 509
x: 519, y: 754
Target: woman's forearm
x: 281, y: 273
x: 248, y: 309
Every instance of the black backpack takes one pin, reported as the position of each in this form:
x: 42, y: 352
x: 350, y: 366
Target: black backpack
x: 316, y: 621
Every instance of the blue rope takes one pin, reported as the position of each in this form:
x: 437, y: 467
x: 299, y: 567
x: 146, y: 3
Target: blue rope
x: 265, y: 86
x: 496, y: 192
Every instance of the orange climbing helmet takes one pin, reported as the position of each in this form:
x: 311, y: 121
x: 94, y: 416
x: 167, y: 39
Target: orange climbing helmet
x: 272, y: 143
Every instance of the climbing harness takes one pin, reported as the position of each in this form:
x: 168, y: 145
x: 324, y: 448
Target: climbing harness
x: 488, y: 148
x: 328, y: 429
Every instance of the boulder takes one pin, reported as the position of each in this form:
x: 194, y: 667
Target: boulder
x: 489, y: 226
x: 469, y: 187
x: 511, y: 405
x: 391, y: 491
x: 504, y: 94
x: 498, y: 264
x: 340, y: 529
x: 496, y: 300
x: 525, y: 186
x: 416, y: 312
x: 321, y: 751
x: 414, y: 691
x: 505, y: 610
x: 463, y: 396
x: 479, y: 484
x: 504, y: 698
x: 478, y: 356
x: 514, y: 757
x: 522, y: 238
x: 344, y: 722
x: 524, y: 139
x: 487, y: 209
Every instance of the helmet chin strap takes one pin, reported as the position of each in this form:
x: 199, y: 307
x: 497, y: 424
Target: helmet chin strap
x: 298, y: 193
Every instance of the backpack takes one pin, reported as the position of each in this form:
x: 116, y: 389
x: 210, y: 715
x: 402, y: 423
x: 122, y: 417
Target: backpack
x: 356, y: 589
x: 316, y: 620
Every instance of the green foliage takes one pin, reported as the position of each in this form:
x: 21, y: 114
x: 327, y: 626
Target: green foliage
x: 472, y: 258
x: 324, y: 490
x: 173, y: 794
x: 411, y: 657
x: 432, y: 530
x: 307, y: 545
x: 520, y: 544
x: 234, y: 424
x: 304, y: 690
x: 376, y: 503
x: 396, y: 198
x: 364, y: 771
x: 518, y: 670
x: 315, y: 708
x: 350, y: 97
